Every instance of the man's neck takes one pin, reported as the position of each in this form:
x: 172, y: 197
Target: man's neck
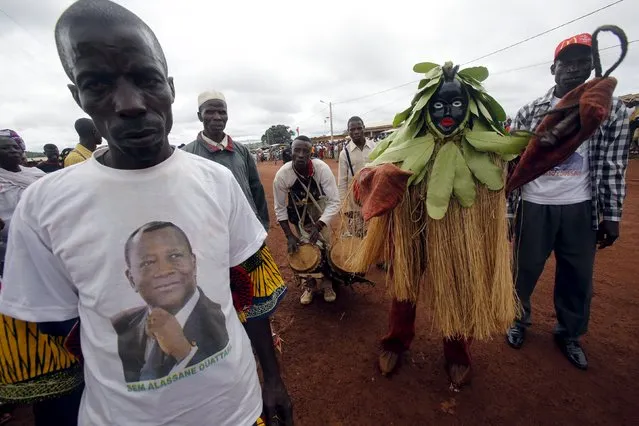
x: 117, y: 159
x: 215, y: 136
x: 304, y: 173
x: 560, y: 92
x: 88, y: 145
x: 360, y: 143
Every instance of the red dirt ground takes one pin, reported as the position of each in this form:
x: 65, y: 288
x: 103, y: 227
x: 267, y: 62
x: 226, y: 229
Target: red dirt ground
x: 330, y: 353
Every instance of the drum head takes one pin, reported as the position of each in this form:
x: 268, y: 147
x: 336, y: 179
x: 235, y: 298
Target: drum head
x: 342, y: 250
x: 306, y: 259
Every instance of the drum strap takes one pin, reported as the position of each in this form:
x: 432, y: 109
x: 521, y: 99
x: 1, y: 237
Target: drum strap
x: 309, y: 196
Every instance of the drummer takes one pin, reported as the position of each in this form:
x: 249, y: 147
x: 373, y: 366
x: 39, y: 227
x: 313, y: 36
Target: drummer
x: 306, y: 195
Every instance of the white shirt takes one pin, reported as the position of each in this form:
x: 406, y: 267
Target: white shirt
x: 222, y: 145
x: 567, y: 183
x: 359, y: 158
x: 286, y: 177
x: 10, y: 195
x: 66, y: 259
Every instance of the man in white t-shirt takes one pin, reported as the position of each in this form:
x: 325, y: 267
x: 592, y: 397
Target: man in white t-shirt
x: 353, y: 158
x: 178, y: 215
x: 570, y: 208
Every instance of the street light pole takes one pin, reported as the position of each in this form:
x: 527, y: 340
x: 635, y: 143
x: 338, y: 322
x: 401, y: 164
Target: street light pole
x: 330, y: 116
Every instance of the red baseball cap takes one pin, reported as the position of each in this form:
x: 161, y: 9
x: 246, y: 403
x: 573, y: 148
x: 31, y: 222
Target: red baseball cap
x: 584, y: 39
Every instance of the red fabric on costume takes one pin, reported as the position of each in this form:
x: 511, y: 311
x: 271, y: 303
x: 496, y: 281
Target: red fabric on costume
x: 380, y: 189
x: 457, y: 351
x: 401, y: 327
x: 401, y: 331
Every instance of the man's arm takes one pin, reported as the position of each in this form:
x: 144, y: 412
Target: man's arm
x: 280, y: 192
x: 35, y: 285
x: 616, y: 143
x: 257, y: 190
x: 244, y: 227
x: 522, y: 121
x: 327, y: 181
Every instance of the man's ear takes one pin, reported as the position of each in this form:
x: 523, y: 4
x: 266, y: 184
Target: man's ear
x: 75, y: 93
x: 552, y: 69
x: 199, y: 115
x: 172, y: 86
x: 130, y: 278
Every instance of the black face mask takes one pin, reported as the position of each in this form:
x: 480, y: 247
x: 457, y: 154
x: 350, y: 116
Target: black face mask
x: 448, y: 106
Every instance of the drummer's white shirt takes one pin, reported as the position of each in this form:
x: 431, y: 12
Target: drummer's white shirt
x: 66, y: 258
x: 286, y: 177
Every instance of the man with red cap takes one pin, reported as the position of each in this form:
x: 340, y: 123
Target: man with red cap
x: 571, y: 208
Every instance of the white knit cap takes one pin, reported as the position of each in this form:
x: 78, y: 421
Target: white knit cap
x: 210, y: 95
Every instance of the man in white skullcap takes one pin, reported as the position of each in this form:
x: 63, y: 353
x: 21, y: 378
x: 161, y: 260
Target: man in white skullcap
x: 214, y: 144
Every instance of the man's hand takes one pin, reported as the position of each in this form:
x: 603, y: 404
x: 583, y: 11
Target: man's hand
x: 293, y: 243
x: 315, y: 231
x: 608, y: 233
x: 278, y: 409
x: 165, y: 328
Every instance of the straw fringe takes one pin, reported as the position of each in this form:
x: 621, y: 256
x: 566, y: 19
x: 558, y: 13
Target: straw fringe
x: 459, y: 267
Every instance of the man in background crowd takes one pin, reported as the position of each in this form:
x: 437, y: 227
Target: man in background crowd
x: 352, y: 159
x: 89, y: 140
x: 213, y: 144
x: 52, y: 163
x: 16, y: 137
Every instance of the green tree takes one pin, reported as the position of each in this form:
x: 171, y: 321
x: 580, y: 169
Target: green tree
x: 278, y: 134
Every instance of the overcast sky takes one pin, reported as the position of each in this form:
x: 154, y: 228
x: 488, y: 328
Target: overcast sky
x: 276, y: 60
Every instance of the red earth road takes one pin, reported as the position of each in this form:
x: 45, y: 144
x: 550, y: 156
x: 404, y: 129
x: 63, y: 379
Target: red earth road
x: 330, y: 353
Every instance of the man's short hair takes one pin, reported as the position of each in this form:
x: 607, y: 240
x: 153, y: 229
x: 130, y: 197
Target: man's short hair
x: 103, y: 13
x: 150, y: 227
x: 49, y: 146
x: 85, y: 128
x: 303, y: 138
x: 354, y: 118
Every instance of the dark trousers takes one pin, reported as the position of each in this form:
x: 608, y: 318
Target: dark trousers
x: 567, y: 229
x: 60, y: 411
x: 401, y: 331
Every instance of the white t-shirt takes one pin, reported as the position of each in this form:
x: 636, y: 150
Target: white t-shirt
x: 567, y: 183
x: 66, y: 258
x: 10, y: 195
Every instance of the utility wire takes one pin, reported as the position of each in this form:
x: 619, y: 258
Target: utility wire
x: 491, y: 53
x: 544, y: 32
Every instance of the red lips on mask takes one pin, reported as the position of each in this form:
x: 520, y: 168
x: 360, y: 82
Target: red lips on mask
x: 447, y: 122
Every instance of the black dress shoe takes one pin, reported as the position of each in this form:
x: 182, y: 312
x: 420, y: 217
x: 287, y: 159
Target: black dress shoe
x: 516, y: 336
x: 573, y: 351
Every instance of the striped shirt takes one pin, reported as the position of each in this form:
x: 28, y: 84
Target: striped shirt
x: 607, y: 153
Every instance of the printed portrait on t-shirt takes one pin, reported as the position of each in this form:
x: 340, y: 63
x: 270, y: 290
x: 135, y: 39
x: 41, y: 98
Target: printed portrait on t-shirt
x: 177, y: 326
